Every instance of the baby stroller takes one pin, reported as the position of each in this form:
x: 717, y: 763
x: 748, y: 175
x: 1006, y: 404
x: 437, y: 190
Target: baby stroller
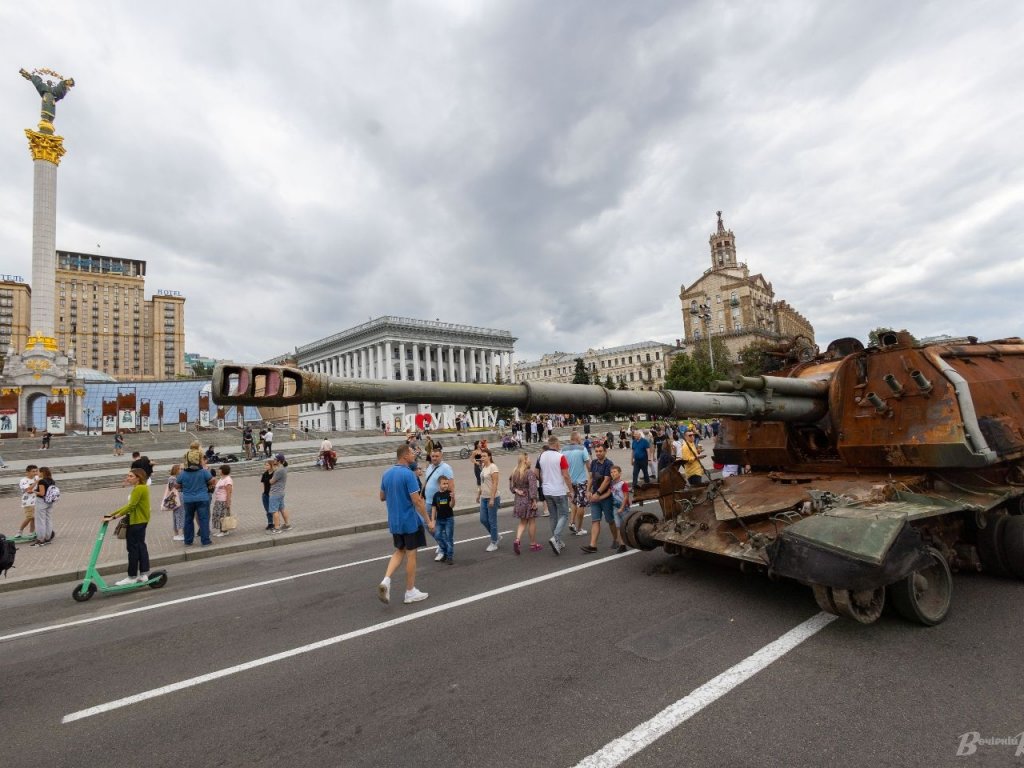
x: 327, y: 459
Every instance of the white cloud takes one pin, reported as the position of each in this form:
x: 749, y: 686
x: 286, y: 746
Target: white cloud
x: 549, y: 169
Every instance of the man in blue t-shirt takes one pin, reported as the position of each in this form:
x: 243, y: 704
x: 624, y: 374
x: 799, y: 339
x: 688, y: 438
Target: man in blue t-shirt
x: 407, y: 513
x: 435, y: 470
x: 577, y: 455
x: 641, y: 457
x: 195, y: 482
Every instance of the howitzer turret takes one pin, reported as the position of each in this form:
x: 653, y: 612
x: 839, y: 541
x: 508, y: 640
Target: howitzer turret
x: 875, y: 472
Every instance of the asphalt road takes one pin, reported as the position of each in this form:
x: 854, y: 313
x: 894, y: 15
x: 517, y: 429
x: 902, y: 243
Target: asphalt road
x: 535, y: 660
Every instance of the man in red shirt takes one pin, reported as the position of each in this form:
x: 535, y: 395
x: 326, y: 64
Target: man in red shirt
x: 555, y: 482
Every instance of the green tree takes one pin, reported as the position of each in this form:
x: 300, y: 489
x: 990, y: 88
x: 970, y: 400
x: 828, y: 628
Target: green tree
x: 622, y: 385
x: 201, y: 370
x: 753, y: 359
x: 608, y: 383
x: 875, y: 334
x: 693, y: 372
x: 580, y: 375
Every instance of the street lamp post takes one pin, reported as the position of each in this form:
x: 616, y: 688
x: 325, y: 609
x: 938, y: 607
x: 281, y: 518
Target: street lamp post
x: 703, y: 311
x: 88, y: 420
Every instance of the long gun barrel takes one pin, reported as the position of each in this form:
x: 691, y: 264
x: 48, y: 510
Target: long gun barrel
x: 279, y: 386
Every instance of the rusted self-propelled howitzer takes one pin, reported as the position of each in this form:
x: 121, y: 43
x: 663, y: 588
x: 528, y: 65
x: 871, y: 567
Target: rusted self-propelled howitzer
x: 876, y: 471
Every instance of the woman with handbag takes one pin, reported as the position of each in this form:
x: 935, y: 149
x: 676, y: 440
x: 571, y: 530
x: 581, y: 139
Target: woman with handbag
x: 172, y: 503
x: 222, y: 501
x: 137, y: 511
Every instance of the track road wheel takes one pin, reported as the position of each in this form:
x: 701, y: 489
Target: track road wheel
x: 925, y: 595
x: 631, y: 529
x: 823, y: 596
x: 81, y: 595
x: 157, y: 579
x: 863, y: 607
x: 1013, y: 545
x: 990, y: 546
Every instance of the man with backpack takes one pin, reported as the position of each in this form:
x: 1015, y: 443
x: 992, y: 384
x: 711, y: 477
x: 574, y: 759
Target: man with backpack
x: 142, y: 462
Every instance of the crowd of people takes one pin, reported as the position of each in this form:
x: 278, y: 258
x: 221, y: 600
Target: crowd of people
x: 565, y: 483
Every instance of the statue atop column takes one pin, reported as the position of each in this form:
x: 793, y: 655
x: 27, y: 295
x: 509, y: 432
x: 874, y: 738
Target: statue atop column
x: 51, y: 91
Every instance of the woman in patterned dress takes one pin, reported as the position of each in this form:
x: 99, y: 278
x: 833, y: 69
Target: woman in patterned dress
x: 523, y: 484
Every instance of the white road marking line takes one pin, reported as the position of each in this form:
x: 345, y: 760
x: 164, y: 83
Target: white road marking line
x: 205, y: 595
x: 210, y: 676
x: 621, y: 749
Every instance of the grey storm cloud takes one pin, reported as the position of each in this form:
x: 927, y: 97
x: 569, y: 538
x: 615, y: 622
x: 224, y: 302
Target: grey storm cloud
x: 548, y: 168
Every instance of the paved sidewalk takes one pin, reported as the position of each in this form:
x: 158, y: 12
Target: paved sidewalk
x: 320, y: 504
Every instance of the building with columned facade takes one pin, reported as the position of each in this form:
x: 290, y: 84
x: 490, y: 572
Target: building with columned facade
x: 403, y: 349
x: 729, y: 303
x: 641, y: 365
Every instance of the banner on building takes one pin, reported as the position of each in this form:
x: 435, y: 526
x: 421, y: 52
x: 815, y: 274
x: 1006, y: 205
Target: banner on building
x: 204, y: 410
x: 182, y: 421
x: 126, y: 411
x: 56, y: 423
x: 9, y: 414
x: 144, y: 414
x: 109, y: 417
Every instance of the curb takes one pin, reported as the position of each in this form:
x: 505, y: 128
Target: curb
x: 204, y: 553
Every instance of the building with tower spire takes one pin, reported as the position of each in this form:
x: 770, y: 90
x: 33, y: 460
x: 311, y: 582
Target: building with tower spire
x: 730, y: 303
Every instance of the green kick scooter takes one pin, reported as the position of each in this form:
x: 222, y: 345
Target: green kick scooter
x: 94, y: 581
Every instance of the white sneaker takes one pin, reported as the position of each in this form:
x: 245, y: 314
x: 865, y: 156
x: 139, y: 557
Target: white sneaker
x: 125, y: 581
x: 218, y: 534
x: 414, y: 595
x: 492, y: 547
x: 178, y: 538
x: 143, y: 578
x: 439, y: 556
x: 384, y: 592
x: 581, y: 532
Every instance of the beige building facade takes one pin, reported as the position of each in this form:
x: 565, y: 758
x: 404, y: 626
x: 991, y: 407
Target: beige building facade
x: 15, y: 313
x: 103, y: 317
x: 729, y: 303
x: 641, y: 365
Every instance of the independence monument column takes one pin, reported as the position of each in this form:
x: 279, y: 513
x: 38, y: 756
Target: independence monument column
x: 41, y: 371
x: 46, y: 149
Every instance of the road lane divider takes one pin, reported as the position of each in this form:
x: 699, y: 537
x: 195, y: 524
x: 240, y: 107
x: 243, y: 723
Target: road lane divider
x: 207, y: 595
x: 191, y: 682
x: 616, y: 752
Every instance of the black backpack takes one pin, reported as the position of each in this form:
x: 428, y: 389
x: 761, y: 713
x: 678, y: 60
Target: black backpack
x: 7, y: 552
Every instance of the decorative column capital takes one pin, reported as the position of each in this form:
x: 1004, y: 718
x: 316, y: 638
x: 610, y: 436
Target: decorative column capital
x: 45, y: 146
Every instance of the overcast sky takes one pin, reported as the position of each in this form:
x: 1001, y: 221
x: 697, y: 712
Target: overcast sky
x: 549, y: 167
